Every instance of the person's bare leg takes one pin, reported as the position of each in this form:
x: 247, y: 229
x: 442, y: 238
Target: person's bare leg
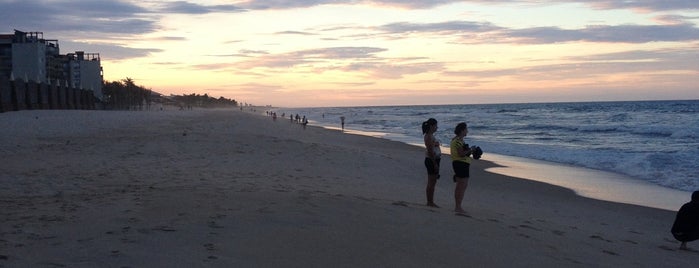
x: 683, y: 246
x: 431, y: 183
x: 459, y: 192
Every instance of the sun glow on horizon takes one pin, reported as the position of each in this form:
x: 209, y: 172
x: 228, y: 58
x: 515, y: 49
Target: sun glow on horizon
x: 347, y: 54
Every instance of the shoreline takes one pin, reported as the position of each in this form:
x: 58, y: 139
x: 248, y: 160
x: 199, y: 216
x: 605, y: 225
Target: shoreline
x: 597, y: 184
x: 226, y: 188
x: 591, y: 183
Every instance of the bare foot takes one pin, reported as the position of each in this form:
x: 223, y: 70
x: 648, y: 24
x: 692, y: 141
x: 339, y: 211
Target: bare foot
x: 684, y: 246
x: 432, y: 205
x: 459, y: 211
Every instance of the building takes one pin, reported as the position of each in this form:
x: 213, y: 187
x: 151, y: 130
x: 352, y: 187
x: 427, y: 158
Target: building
x: 85, y: 71
x: 27, y: 55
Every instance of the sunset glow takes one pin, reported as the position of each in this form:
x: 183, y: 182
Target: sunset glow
x: 382, y: 52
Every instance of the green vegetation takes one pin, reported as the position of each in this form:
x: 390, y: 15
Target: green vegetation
x: 126, y: 95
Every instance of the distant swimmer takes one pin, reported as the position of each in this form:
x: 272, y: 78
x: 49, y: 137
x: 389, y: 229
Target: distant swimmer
x: 686, y: 226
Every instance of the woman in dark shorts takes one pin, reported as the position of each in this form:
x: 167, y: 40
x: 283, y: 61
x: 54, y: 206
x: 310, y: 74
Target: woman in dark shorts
x: 432, y: 157
x: 461, y: 163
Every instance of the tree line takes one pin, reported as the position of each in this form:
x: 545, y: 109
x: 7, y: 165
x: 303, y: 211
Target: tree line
x: 126, y: 95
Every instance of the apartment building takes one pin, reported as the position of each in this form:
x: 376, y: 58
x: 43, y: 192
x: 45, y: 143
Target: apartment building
x: 27, y: 55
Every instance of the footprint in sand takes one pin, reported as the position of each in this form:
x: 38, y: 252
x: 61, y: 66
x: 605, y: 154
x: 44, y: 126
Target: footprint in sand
x: 164, y: 228
x: 400, y: 203
x: 666, y: 248
x: 610, y: 252
x: 213, y: 224
x: 210, y: 246
x: 529, y: 227
x: 600, y: 238
x: 559, y: 233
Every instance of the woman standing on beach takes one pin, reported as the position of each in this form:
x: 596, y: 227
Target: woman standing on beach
x: 432, y: 157
x: 461, y: 162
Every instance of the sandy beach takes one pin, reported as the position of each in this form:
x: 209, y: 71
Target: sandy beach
x: 227, y: 188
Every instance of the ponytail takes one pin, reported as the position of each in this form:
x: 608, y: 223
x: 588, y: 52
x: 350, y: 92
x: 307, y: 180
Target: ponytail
x: 427, y: 124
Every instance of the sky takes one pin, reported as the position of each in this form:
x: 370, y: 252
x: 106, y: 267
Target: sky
x: 311, y: 53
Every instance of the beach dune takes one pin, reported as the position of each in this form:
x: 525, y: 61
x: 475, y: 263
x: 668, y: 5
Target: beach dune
x: 227, y: 188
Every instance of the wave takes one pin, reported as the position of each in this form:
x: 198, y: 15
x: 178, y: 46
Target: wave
x: 652, y: 141
x: 653, y: 131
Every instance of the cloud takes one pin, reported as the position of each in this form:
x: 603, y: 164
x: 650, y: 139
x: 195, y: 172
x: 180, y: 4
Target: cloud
x: 294, y: 33
x: 107, y: 51
x: 243, y: 53
x: 679, y: 59
x: 120, y: 20
x: 339, y: 53
x: 110, y: 17
x: 673, y: 19
x: 184, y: 7
x: 646, y: 5
x: 287, y: 60
x: 391, y: 71
x: 606, y: 33
x: 98, y: 17
x: 485, y: 32
x: 210, y: 67
x: 361, y: 60
x: 637, y: 61
x: 449, y: 27
x: 170, y: 38
x: 289, y: 4
x: 250, y: 51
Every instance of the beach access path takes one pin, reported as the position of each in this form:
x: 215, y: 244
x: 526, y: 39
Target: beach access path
x: 229, y: 188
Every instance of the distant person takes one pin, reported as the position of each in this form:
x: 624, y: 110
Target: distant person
x: 686, y: 226
x: 304, y: 122
x: 461, y: 163
x: 342, y: 122
x: 433, y: 155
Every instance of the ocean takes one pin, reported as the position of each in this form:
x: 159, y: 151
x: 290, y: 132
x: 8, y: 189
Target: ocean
x: 651, y: 141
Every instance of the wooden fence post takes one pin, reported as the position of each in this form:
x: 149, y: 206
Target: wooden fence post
x: 4, y: 95
x: 76, y: 94
x: 27, y: 95
x: 69, y: 97
x: 20, y: 95
x: 53, y: 103
x: 43, y: 96
x: 60, y: 95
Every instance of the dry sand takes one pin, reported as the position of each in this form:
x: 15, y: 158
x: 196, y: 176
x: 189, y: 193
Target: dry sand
x: 225, y: 188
